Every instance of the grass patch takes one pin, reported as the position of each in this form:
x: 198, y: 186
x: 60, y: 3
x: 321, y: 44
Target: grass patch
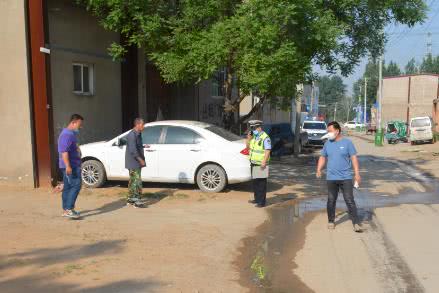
x: 71, y: 268
x: 180, y: 196
x: 258, y: 267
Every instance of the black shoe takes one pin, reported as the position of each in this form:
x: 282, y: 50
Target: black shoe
x: 132, y: 200
x: 260, y: 205
x: 252, y: 201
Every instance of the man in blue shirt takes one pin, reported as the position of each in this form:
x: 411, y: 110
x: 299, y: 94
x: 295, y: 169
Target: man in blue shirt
x: 70, y: 165
x: 341, y: 155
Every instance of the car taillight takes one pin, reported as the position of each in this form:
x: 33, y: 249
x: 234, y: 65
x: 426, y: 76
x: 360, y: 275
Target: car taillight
x: 245, y: 152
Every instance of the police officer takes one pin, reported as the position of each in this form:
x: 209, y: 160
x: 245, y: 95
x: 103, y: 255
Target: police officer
x: 259, y: 145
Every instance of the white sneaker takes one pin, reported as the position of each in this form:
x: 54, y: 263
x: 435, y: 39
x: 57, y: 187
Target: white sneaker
x: 357, y: 228
x: 70, y: 214
x: 331, y: 226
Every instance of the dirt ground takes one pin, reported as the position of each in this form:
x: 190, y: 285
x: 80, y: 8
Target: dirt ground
x: 187, y: 241
x: 398, y: 251
x: 184, y: 241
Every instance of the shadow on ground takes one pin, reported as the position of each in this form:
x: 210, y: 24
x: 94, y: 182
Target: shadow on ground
x: 38, y: 270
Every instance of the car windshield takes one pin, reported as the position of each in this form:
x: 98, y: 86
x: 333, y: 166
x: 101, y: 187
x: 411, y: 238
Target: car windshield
x: 424, y: 122
x: 314, y: 125
x: 223, y: 133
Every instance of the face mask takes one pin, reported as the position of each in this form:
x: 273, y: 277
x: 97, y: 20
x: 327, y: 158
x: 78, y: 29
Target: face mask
x: 255, y: 132
x: 331, y: 135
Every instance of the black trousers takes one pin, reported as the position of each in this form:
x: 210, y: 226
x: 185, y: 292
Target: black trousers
x: 347, y: 188
x: 260, y: 190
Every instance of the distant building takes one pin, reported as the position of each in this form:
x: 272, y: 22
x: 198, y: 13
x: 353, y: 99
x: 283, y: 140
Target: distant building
x: 405, y: 97
x: 436, y: 115
x: 272, y: 114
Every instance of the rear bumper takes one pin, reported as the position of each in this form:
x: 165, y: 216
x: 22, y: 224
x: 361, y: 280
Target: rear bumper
x: 421, y: 137
x: 237, y: 174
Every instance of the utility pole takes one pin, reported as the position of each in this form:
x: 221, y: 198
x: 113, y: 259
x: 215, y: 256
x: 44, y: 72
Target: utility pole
x: 335, y: 111
x: 358, y: 118
x: 311, y: 108
x: 365, y: 99
x: 379, y: 132
x: 429, y: 51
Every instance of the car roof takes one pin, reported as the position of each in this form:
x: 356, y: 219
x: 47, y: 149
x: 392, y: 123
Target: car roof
x: 312, y: 121
x: 179, y: 123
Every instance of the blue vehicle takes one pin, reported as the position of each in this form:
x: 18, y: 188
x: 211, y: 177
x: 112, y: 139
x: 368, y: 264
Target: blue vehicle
x: 282, y: 138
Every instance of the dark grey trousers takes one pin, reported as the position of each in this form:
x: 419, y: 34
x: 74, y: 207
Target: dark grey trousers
x: 347, y: 188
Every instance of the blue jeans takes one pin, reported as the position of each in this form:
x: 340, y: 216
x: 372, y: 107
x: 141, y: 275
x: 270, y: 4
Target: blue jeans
x: 72, y: 187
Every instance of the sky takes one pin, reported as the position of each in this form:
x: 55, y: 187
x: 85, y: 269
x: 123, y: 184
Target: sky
x: 405, y: 43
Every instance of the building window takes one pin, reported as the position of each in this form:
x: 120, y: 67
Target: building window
x: 83, y: 79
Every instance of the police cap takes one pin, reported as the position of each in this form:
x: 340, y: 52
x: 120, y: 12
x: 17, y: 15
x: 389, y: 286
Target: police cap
x: 255, y: 123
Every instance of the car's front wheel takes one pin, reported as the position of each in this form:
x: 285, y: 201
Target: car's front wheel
x: 93, y: 174
x: 211, y: 178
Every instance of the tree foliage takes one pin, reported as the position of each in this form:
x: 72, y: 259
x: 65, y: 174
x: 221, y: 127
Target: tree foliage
x: 266, y: 47
x: 332, y: 90
x: 411, y: 67
x: 392, y: 69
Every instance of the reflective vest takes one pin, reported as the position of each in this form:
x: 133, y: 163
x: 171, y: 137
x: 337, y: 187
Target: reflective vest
x: 257, y: 151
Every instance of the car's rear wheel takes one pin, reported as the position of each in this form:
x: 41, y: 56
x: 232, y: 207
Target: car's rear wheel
x: 211, y: 178
x: 93, y: 174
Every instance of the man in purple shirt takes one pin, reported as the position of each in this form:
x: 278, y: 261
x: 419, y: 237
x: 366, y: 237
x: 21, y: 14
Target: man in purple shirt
x: 70, y: 165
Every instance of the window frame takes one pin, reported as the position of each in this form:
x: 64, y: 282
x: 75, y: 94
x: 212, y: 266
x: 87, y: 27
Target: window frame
x: 162, y: 136
x: 165, y: 133
x: 91, y: 78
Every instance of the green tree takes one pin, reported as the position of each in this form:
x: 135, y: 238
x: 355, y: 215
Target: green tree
x: 392, y: 70
x: 371, y: 73
x: 332, y: 90
x: 411, y: 67
x: 267, y: 47
x: 428, y: 65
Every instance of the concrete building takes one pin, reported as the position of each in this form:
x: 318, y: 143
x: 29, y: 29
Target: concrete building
x: 55, y: 63
x: 15, y: 101
x: 405, y: 97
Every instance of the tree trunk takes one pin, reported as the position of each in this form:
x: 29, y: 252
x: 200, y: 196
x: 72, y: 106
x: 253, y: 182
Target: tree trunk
x: 229, y: 109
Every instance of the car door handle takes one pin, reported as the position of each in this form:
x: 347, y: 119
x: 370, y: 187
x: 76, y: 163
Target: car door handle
x: 195, y: 150
x: 149, y: 150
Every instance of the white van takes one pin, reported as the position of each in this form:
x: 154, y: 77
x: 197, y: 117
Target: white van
x: 421, y: 129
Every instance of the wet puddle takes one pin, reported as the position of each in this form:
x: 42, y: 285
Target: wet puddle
x: 266, y: 261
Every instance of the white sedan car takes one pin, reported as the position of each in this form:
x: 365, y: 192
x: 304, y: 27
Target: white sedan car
x: 175, y: 152
x: 352, y: 125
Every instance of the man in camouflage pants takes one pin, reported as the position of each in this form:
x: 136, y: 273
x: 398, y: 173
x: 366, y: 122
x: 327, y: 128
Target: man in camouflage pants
x: 135, y: 185
x: 135, y: 161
